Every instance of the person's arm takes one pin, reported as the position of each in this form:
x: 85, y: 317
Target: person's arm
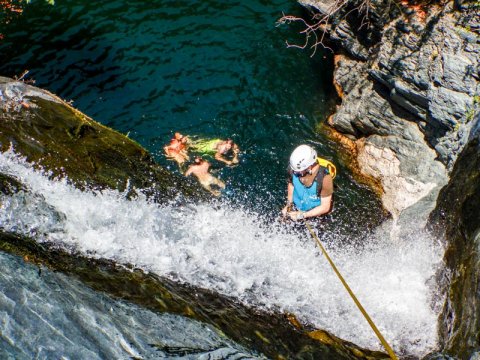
x: 319, y: 210
x: 189, y: 171
x: 236, y: 151
x: 323, y: 208
x: 287, y: 207
x: 219, y: 157
x: 326, y: 196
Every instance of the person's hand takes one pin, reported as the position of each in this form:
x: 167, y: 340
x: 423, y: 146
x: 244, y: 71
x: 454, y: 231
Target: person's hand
x: 296, y: 215
x: 286, y: 209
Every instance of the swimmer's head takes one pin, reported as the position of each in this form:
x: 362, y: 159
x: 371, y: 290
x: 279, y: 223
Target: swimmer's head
x: 178, y: 136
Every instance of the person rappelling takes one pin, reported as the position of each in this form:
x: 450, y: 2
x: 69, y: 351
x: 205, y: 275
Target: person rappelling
x: 310, y: 195
x: 310, y: 185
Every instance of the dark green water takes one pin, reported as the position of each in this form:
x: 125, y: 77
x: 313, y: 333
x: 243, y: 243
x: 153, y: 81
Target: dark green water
x: 206, y: 68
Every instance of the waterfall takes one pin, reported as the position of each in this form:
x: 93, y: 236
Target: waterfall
x: 236, y: 252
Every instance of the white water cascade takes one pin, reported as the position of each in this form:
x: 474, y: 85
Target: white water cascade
x: 233, y: 252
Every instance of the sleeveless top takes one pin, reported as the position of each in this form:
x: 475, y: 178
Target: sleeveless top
x: 305, y: 198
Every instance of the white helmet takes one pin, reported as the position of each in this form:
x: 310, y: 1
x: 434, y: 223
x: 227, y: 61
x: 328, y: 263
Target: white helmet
x: 302, y: 157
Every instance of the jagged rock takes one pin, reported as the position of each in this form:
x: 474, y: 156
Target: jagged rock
x: 455, y: 69
x: 325, y: 6
x: 404, y: 183
x: 343, y: 79
x: 448, y: 106
x: 416, y: 98
x: 367, y: 115
x: 456, y: 219
x: 343, y: 34
x: 418, y: 84
x: 403, y: 99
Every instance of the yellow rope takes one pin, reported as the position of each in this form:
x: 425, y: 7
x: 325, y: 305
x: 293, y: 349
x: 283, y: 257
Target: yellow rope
x: 360, y: 307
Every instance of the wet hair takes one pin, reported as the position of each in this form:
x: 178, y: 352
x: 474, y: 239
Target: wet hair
x: 178, y: 136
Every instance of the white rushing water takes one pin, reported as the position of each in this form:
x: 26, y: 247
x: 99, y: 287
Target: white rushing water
x: 231, y: 251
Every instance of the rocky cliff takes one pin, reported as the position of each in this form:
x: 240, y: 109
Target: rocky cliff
x: 408, y: 78
x: 456, y: 219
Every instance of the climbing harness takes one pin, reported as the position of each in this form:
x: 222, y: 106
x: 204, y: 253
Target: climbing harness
x: 352, y: 295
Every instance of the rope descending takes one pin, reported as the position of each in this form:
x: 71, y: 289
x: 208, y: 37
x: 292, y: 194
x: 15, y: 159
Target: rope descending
x: 352, y: 295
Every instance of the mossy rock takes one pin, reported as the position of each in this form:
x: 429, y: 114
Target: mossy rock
x: 57, y: 137
x: 10, y: 185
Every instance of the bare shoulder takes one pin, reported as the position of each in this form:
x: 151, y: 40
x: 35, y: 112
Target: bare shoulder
x: 327, y: 185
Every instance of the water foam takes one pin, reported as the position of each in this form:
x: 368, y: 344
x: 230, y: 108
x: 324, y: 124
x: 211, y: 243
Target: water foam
x: 232, y: 251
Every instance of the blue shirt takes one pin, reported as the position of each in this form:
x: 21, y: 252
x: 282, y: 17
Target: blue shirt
x: 305, y: 198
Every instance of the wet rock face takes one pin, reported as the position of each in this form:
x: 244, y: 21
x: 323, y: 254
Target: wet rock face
x: 431, y: 70
x: 55, y: 136
x: 10, y: 185
x: 457, y: 218
x: 409, y: 82
x: 271, y: 334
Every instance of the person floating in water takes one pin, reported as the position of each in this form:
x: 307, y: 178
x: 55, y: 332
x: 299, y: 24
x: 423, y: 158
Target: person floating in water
x: 200, y: 168
x: 217, y: 148
x: 177, y: 149
x: 310, y: 186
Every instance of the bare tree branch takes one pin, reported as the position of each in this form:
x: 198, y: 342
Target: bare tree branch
x: 321, y: 22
